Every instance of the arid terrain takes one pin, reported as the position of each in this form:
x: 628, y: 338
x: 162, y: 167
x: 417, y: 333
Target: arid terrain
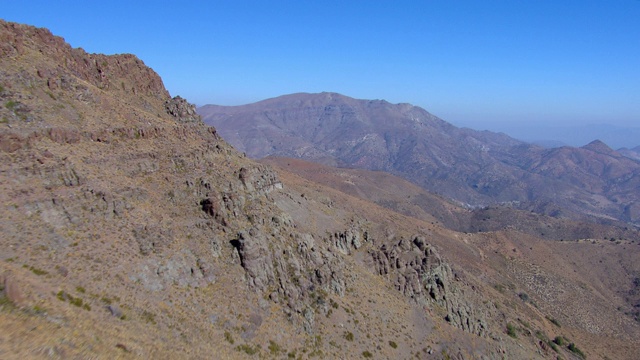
x: 131, y: 229
x: 474, y: 168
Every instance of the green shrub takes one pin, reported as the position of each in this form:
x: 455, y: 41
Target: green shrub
x: 248, y: 349
x: 36, y: 270
x: 511, y: 331
x: 367, y: 354
x: 348, y: 335
x: 393, y: 344
x: 559, y: 340
x: 11, y: 105
x: 574, y: 349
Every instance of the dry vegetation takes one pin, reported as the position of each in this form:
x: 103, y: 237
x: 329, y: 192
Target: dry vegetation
x: 131, y: 231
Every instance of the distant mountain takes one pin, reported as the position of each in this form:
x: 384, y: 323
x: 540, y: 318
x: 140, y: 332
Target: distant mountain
x: 477, y: 168
x: 631, y: 153
x: 549, y: 135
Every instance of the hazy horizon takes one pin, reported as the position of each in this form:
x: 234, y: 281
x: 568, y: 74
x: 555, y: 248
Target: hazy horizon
x: 496, y: 65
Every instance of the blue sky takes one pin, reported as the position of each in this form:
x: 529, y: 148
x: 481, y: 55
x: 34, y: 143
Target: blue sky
x: 475, y: 63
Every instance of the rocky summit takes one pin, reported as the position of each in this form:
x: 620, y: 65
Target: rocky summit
x: 130, y: 229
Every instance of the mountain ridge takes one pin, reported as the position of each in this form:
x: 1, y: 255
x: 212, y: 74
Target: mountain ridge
x: 473, y: 167
x: 130, y: 229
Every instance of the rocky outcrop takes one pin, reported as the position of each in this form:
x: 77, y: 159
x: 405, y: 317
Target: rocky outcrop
x: 255, y: 258
x: 102, y: 71
x: 349, y: 240
x: 261, y: 179
x: 417, y: 271
x: 181, y: 110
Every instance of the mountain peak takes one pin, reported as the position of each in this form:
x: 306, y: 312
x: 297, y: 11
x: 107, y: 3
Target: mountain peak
x: 599, y: 147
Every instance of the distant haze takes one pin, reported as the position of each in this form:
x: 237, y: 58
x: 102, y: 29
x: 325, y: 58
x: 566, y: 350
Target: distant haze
x: 549, y: 135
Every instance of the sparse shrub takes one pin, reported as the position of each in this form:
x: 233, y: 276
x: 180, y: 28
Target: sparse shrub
x: 559, y: 340
x: 248, y: 349
x: 106, y: 300
x: 11, y: 105
x: 574, y: 349
x: 367, y: 354
x: 5, y: 302
x: 291, y: 355
x: 511, y: 331
x: 274, y: 348
x: 80, y: 289
x: 393, y: 344
x: 333, y: 304
x: 553, y: 345
x: 229, y: 338
x: 76, y: 301
x: 553, y: 321
x: 36, y: 270
x: 523, y: 296
x: 348, y: 335
x: 149, y: 317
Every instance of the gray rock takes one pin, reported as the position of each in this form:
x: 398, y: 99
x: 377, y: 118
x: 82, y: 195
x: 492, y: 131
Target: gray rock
x: 181, y: 110
x: 115, y: 311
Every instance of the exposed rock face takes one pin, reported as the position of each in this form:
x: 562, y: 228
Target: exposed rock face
x: 292, y: 276
x: 182, y: 110
x: 256, y: 258
x: 417, y: 271
x: 351, y: 239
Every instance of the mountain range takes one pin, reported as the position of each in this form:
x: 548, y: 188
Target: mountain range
x: 474, y: 168
x: 131, y: 229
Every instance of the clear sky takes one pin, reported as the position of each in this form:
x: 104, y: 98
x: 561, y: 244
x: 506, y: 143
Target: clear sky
x: 473, y: 63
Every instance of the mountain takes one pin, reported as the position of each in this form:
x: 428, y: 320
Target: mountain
x: 475, y: 168
x: 130, y: 229
x: 556, y: 135
x: 631, y: 153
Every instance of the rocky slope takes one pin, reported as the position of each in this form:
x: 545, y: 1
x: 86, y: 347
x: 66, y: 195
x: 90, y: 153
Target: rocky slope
x: 472, y: 167
x: 130, y: 229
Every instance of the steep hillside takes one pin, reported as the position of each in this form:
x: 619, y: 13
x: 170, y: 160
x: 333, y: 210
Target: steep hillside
x: 477, y: 168
x: 130, y: 229
x: 406, y: 198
